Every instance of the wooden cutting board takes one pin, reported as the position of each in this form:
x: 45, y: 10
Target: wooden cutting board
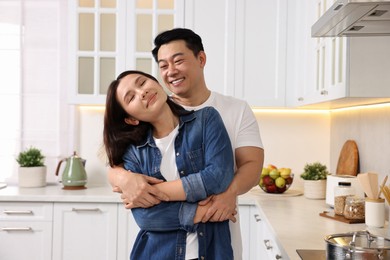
x: 348, y: 163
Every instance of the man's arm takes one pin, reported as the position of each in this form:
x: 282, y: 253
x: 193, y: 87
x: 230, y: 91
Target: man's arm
x: 249, y: 162
x: 137, y: 188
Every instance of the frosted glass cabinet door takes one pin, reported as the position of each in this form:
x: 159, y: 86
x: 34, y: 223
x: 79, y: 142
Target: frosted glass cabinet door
x: 85, y: 231
x: 110, y: 36
x: 94, y: 48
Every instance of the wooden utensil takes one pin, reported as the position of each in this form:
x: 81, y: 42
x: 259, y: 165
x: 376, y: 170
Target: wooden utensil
x: 365, y: 183
x: 386, y: 192
x: 382, y: 185
x: 348, y: 163
x: 373, y: 179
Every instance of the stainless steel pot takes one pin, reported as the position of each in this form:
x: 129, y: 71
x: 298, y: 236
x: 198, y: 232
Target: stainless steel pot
x: 357, y: 245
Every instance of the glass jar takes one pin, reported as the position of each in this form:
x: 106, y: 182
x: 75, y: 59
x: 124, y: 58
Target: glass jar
x: 341, y: 192
x: 354, y: 208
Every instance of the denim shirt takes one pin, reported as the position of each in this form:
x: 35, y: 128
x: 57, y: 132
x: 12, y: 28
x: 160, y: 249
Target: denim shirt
x: 204, y: 160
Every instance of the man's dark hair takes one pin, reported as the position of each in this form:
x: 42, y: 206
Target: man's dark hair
x: 193, y: 41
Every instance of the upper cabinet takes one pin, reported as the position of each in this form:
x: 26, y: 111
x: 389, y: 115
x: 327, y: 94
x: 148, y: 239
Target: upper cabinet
x: 245, y: 43
x: 109, y: 36
x: 259, y: 51
x: 333, y: 72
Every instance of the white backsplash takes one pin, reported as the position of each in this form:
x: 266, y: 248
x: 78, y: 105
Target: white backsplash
x: 291, y: 138
x: 370, y: 128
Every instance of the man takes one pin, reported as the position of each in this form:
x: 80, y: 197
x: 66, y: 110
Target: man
x: 181, y: 60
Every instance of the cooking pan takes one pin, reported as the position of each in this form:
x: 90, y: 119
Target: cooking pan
x: 359, y: 245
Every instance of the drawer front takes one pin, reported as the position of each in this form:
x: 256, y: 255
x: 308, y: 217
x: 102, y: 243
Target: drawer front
x: 25, y: 240
x: 26, y: 211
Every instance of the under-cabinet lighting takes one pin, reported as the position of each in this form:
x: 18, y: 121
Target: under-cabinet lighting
x: 283, y: 110
x: 290, y: 111
x: 372, y: 106
x: 319, y: 111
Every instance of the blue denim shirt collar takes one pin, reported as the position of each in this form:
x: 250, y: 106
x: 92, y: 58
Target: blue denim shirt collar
x: 182, y: 120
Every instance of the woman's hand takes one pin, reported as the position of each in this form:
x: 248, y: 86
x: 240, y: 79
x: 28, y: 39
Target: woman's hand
x: 137, y: 189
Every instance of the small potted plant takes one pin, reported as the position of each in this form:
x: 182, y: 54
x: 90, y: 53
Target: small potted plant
x: 314, y: 177
x: 32, y: 171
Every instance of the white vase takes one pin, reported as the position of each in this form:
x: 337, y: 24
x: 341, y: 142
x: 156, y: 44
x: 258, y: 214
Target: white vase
x: 32, y: 177
x: 314, y: 189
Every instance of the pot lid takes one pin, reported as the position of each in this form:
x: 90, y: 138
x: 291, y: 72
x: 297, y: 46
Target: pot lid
x: 358, y: 240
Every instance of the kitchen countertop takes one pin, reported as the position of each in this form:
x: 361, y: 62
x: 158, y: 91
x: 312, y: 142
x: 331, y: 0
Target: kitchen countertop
x: 53, y: 192
x: 297, y: 224
x: 294, y: 219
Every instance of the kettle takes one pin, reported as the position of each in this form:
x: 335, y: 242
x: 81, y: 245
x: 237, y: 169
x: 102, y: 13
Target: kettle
x: 74, y: 176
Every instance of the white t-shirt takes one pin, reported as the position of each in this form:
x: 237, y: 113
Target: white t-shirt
x: 168, y: 169
x: 243, y: 130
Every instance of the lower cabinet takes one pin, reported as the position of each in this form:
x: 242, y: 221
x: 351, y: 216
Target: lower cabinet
x: 127, y: 232
x: 85, y: 231
x: 101, y: 231
x: 65, y: 231
x: 259, y: 241
x: 25, y: 231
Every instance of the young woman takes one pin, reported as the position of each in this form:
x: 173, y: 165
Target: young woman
x: 189, y: 150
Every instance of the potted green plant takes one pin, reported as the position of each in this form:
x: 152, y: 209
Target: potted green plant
x: 32, y: 170
x: 314, y: 176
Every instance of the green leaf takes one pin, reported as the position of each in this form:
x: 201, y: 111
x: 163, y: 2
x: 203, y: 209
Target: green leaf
x: 32, y: 157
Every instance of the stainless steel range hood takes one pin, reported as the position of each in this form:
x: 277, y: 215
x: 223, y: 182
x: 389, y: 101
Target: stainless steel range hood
x: 354, y: 18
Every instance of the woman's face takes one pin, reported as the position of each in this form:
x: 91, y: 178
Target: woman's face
x: 141, y: 97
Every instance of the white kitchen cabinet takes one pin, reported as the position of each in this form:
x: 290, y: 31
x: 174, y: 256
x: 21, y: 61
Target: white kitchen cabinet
x: 260, y: 52
x: 85, y: 231
x: 25, y: 230
x: 108, y: 37
x: 333, y: 72
x: 246, y: 52
x: 127, y: 232
x: 259, y: 241
x: 301, y: 61
x: 244, y: 211
x: 245, y: 43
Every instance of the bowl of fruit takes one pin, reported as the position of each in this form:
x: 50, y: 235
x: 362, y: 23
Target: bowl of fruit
x: 275, y: 180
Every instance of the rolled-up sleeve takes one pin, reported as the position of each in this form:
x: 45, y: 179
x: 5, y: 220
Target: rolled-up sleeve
x: 218, y: 170
x: 166, y: 216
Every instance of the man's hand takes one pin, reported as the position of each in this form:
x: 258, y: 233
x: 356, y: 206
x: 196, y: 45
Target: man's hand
x: 223, y: 207
x: 204, y: 206
x: 137, y: 189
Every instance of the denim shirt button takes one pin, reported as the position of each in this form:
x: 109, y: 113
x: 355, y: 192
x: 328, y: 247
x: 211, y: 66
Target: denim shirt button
x: 177, y: 154
x: 202, y: 257
x: 201, y: 234
x: 181, y: 172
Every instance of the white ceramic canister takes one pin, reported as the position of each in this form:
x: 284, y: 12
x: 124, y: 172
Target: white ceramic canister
x: 375, y: 212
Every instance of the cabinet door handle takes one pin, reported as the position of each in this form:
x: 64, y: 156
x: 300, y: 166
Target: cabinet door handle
x: 257, y: 217
x: 338, y: 7
x: 324, y: 92
x: 267, y: 244
x: 278, y: 257
x: 16, y: 229
x: 86, y: 210
x: 18, y: 212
